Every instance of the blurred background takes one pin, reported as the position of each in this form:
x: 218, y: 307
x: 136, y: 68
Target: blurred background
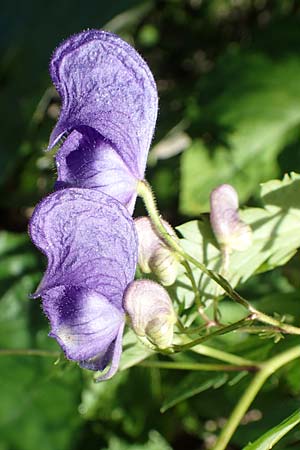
x: 228, y: 75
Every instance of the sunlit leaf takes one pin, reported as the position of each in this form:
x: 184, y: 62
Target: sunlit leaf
x: 271, y: 437
x: 246, y: 108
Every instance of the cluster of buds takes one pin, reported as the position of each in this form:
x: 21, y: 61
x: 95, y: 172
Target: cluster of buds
x: 156, y: 257
x: 146, y: 302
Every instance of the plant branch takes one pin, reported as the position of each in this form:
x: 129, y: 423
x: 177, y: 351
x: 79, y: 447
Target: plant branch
x: 191, y: 277
x: 223, y: 330
x: 197, y: 366
x: 268, y: 368
x: 145, y: 192
x: 223, y: 356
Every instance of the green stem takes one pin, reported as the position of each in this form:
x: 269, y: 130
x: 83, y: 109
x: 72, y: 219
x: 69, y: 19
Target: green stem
x: 218, y: 354
x: 42, y: 107
x: 225, y: 262
x: 261, y: 329
x: 282, y: 327
x: 222, y: 356
x: 191, y: 277
x: 28, y: 352
x: 198, y: 366
x: 232, y: 327
x: 268, y: 368
x: 190, y: 330
x: 145, y: 191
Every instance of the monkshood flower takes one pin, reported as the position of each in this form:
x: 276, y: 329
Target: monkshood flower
x: 151, y: 312
x: 90, y: 242
x: 154, y: 254
x: 230, y: 231
x: 108, y: 114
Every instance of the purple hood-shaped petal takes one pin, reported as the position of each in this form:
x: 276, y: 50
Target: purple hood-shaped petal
x: 105, y: 87
x: 86, y: 160
x: 91, y: 246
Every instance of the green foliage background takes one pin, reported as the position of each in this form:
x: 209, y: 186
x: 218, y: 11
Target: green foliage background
x: 228, y: 74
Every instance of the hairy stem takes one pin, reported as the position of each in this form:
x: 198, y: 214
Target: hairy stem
x: 268, y: 368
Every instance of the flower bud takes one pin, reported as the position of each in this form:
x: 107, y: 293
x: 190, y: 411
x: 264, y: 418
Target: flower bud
x: 230, y: 231
x: 154, y: 255
x: 151, y: 312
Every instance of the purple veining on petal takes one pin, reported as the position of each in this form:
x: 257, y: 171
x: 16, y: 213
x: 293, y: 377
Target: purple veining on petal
x: 86, y: 160
x: 106, y: 85
x: 109, y: 109
x: 89, y: 240
x: 83, y: 322
x: 111, y: 356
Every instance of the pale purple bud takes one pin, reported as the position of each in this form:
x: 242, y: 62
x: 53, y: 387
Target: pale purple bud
x: 151, y: 312
x: 230, y: 231
x: 154, y: 254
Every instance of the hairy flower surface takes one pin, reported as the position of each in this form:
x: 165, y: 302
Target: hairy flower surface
x: 109, y: 109
x: 91, y: 246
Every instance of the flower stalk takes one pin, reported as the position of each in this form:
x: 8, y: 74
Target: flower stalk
x: 146, y: 193
x: 223, y: 330
x: 268, y: 368
x: 198, y: 366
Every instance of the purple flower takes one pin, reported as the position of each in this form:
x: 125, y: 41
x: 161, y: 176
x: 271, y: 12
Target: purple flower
x: 108, y: 114
x: 91, y: 246
x: 109, y: 109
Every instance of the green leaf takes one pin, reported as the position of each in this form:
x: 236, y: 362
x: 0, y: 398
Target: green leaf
x: 246, y: 123
x: 269, y: 439
x: 276, y: 239
x: 191, y: 385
